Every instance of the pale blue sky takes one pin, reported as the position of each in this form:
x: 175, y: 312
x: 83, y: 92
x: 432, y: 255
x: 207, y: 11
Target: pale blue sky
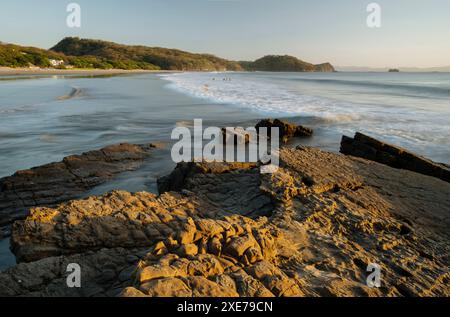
x: 413, y: 32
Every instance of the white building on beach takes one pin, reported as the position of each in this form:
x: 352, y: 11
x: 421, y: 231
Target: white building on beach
x: 56, y: 63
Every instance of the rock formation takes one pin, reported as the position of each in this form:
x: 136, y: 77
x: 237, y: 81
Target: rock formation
x: 369, y: 148
x: 54, y: 183
x: 286, y: 130
x: 104, y: 273
x: 310, y: 229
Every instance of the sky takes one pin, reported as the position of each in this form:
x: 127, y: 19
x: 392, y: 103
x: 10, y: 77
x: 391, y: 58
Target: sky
x: 413, y: 33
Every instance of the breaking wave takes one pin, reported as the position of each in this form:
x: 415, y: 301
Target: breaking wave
x: 390, y: 118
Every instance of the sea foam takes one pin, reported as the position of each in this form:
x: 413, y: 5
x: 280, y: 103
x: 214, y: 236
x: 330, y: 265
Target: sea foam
x: 282, y: 95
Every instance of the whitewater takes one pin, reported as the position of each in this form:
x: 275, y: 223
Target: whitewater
x: 408, y: 109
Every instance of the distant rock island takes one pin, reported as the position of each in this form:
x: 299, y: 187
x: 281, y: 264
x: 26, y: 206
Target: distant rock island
x: 403, y: 69
x: 73, y: 52
x: 394, y: 70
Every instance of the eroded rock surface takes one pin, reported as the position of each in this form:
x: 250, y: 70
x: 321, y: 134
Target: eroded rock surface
x: 54, y: 183
x: 234, y: 187
x: 103, y: 273
x: 326, y: 218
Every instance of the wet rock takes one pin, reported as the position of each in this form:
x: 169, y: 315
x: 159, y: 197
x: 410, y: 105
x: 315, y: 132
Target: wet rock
x: 369, y: 148
x: 238, y: 136
x: 286, y: 130
x: 47, y: 277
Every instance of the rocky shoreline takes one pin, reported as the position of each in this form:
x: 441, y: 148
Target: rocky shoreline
x: 369, y: 148
x: 224, y: 229
x: 51, y: 184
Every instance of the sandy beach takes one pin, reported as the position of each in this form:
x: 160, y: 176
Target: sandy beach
x: 7, y: 71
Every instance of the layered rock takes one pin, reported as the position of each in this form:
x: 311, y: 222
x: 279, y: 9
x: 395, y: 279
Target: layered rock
x: 369, y: 148
x: 103, y: 273
x: 118, y: 219
x: 326, y: 218
x: 54, y: 183
x: 227, y: 186
x: 286, y: 130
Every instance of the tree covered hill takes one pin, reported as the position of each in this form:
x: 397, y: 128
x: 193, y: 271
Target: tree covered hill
x: 114, y: 55
x: 86, y: 53
x: 285, y: 63
x: 19, y: 56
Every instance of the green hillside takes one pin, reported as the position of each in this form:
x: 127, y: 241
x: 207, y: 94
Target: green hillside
x: 19, y: 56
x: 112, y: 55
x: 85, y: 53
x: 285, y: 63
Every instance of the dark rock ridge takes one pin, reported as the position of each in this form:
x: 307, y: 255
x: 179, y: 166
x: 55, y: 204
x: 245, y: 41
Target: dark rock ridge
x: 310, y: 229
x: 105, y: 272
x: 54, y: 183
x: 369, y: 148
x: 287, y: 130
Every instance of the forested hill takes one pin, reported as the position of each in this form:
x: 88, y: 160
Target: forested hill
x: 73, y: 52
x: 285, y: 63
x: 19, y: 56
x: 112, y: 55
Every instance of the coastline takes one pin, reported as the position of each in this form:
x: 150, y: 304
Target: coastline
x: 7, y: 71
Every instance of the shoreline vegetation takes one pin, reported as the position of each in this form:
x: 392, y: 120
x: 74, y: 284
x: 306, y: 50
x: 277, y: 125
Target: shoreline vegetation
x: 85, y: 54
x: 311, y: 229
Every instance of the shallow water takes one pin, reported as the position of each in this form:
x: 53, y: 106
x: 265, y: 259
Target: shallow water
x: 40, y: 124
x: 6, y: 258
x: 45, y: 118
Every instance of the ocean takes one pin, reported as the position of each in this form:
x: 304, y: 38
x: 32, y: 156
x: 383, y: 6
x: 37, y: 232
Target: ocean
x: 407, y: 109
x: 45, y: 118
